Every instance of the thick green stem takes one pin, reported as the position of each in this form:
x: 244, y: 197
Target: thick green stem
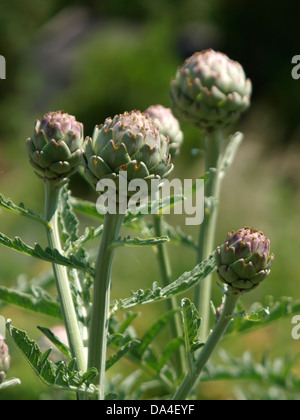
x: 221, y: 326
x: 208, y: 228
x: 166, y: 277
x: 62, y: 279
x: 101, y: 299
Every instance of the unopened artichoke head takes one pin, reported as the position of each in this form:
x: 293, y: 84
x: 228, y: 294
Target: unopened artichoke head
x: 128, y: 142
x: 210, y: 90
x: 55, y: 148
x: 244, y: 260
x: 168, y: 125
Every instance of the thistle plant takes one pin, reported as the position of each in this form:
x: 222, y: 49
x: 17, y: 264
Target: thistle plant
x: 244, y: 260
x: 129, y: 142
x: 56, y: 146
x: 140, y: 148
x: 55, y: 152
x: 210, y: 91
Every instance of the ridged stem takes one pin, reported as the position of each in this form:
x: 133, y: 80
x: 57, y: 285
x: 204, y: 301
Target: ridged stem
x: 171, y: 304
x: 62, y: 279
x: 208, y: 228
x: 191, y: 378
x: 101, y: 300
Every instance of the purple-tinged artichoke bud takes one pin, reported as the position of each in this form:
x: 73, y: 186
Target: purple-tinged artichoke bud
x: 128, y: 142
x: 168, y: 126
x: 244, y: 260
x: 55, y: 148
x: 4, y: 359
x: 210, y: 90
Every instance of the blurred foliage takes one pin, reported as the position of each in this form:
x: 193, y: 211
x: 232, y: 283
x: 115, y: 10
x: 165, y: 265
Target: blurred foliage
x: 94, y: 59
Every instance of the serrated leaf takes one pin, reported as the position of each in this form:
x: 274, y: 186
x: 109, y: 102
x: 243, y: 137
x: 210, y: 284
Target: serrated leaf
x: 110, y: 396
x: 150, y: 358
x: 231, y: 151
x: 114, y: 338
x: 191, y: 320
x: 7, y: 204
x: 89, y: 234
x: 139, y: 242
x: 46, y: 254
x: 170, y: 349
x: 57, y: 375
x: 56, y: 341
x: 256, y: 316
x: 27, y: 301
x: 85, y: 207
x: 129, y: 318
x: 155, y: 330
x: 156, y: 293
x: 277, y: 372
x: 176, y: 235
x: 67, y: 217
x: 121, y: 352
x: 266, y: 313
x: 191, y: 323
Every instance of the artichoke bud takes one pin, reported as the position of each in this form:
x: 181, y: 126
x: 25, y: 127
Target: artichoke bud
x: 168, y: 126
x: 55, y: 148
x: 210, y: 90
x: 4, y: 359
x: 244, y: 260
x: 128, y: 142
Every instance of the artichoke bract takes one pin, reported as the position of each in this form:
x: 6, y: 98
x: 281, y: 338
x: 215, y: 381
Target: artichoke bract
x: 210, y: 90
x: 168, y: 125
x: 244, y: 260
x: 128, y: 142
x: 4, y: 359
x: 55, y: 148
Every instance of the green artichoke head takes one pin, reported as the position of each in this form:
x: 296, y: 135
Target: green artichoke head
x: 210, y: 90
x: 128, y: 142
x: 244, y: 260
x: 55, y: 148
x: 4, y: 359
x: 168, y: 126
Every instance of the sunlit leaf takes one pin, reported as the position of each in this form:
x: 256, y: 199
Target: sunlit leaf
x: 47, y: 254
x: 58, y: 375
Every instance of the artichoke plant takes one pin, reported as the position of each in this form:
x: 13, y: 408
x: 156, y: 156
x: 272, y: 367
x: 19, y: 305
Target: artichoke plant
x: 244, y: 260
x: 56, y: 146
x: 128, y: 142
x: 168, y: 126
x: 210, y: 90
x: 4, y: 359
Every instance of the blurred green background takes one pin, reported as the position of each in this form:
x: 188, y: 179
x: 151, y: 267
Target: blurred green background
x: 94, y: 59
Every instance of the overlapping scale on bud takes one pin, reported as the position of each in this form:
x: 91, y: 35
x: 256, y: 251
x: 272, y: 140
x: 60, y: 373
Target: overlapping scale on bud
x: 210, y: 90
x: 55, y: 148
x: 244, y: 260
x: 168, y: 125
x: 4, y: 359
x: 128, y: 142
